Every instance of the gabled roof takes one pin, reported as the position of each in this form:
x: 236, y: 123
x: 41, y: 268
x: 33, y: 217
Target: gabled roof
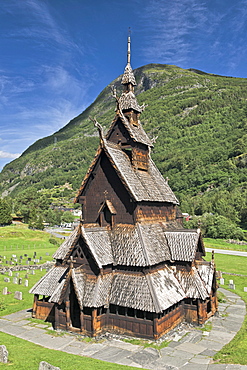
x: 137, y: 133
x: 183, y: 244
x: 128, y: 101
x: 142, y: 185
x: 143, y: 244
x: 67, y: 244
x: 50, y: 281
x: 153, y: 292
x: 192, y: 284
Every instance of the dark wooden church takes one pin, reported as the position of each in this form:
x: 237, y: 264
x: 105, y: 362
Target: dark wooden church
x: 129, y: 267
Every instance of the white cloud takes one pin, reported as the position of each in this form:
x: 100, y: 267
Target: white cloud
x: 9, y: 155
x: 171, y: 27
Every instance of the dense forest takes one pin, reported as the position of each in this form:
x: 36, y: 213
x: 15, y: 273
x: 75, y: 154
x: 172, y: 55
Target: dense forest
x: 199, y: 124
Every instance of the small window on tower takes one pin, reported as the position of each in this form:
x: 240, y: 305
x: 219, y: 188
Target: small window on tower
x: 107, y: 214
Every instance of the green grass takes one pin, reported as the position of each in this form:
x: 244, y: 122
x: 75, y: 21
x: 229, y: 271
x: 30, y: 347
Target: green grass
x: 7, y: 302
x: 19, y: 240
x: 147, y: 343
x: 228, y: 263
x: 222, y: 244
x: 24, y: 355
x: 234, y: 352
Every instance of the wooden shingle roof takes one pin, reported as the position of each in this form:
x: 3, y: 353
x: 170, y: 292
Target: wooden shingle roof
x: 143, y: 244
x: 50, y: 281
x: 137, y: 133
x: 143, y: 185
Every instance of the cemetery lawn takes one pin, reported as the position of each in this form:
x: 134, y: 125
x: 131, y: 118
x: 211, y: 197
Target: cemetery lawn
x: 24, y: 355
x: 222, y: 244
x: 234, y: 352
x: 20, y: 240
x: 8, y: 304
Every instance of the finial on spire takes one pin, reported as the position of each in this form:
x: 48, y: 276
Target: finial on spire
x: 128, y: 54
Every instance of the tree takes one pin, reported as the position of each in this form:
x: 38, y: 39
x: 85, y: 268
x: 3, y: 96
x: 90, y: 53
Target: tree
x: 5, y: 212
x: 67, y: 217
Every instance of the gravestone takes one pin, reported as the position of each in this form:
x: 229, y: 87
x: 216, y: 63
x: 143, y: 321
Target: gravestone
x: 43, y: 365
x: 3, y: 354
x: 6, y: 280
x: 231, y: 282
x: 5, y: 291
x: 27, y: 262
x: 41, y: 268
x: 222, y: 281
x: 32, y: 272
x: 29, y: 259
x: 245, y: 289
x: 25, y: 255
x: 4, y: 257
x: 26, y: 276
x: 231, y: 286
x: 40, y: 258
x: 26, y: 282
x: 15, y: 281
x: 21, y: 257
x: 47, y: 254
x: 17, y: 274
x: 10, y: 273
x: 20, y: 281
x: 14, y: 255
x: 18, y: 295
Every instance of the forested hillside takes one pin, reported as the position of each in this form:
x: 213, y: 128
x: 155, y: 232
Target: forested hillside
x: 199, y: 121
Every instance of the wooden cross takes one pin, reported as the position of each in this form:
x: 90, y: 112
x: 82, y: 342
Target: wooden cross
x: 71, y: 261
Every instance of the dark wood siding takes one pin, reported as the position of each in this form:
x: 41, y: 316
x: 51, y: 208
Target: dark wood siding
x: 105, y: 184
x: 155, y: 211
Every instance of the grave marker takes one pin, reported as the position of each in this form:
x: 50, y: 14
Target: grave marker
x: 6, y: 280
x: 15, y: 280
x: 5, y: 291
x: 43, y: 365
x: 17, y: 274
x: 222, y: 281
x: 245, y: 289
x: 231, y: 282
x: 26, y: 283
x: 10, y: 273
x: 3, y: 354
x: 20, y: 281
x: 231, y: 286
x: 18, y: 295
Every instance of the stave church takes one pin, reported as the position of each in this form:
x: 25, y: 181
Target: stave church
x: 129, y: 267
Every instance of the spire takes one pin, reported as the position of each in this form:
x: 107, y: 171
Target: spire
x: 128, y: 77
x: 127, y: 99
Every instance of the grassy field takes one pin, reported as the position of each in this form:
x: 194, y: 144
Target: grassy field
x: 24, y: 355
x: 234, y: 352
x: 222, y: 244
x: 19, y: 240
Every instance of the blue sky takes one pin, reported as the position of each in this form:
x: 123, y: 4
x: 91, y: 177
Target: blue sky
x: 57, y: 55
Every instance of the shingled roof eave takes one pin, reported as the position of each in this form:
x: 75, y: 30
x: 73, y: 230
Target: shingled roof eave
x: 126, y: 124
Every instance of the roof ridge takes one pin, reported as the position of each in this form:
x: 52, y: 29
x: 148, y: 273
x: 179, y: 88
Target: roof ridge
x: 153, y: 293
x: 139, y: 231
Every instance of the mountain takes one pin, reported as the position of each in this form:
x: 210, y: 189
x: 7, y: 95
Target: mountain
x: 199, y: 122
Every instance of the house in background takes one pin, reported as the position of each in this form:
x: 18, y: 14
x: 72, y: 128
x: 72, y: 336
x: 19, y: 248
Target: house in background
x: 129, y: 267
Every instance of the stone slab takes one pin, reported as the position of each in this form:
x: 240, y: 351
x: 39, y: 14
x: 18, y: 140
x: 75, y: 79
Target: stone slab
x: 145, y: 357
x: 191, y: 348
x: 111, y: 354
